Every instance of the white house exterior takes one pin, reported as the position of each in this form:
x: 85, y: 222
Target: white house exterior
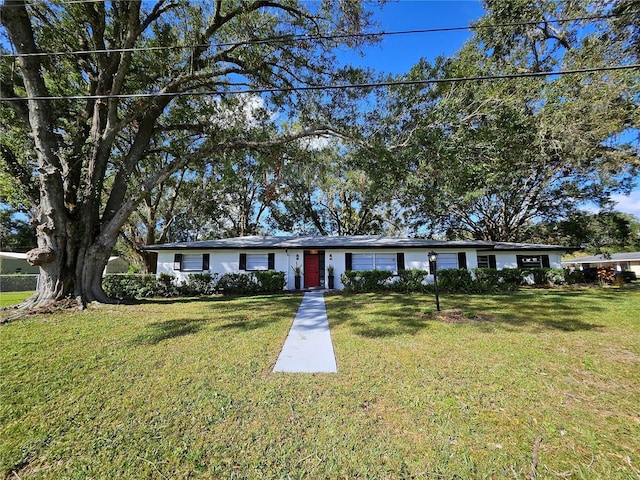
x: 314, y: 254
x: 626, y: 261
x: 12, y: 262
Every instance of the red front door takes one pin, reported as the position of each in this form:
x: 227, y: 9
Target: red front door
x: 311, y: 270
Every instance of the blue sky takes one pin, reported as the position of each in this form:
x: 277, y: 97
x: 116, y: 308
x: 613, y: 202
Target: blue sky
x: 397, y: 54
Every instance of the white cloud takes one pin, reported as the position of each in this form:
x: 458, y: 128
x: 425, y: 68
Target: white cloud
x: 250, y: 111
x: 628, y: 203
x: 622, y: 203
x: 315, y: 143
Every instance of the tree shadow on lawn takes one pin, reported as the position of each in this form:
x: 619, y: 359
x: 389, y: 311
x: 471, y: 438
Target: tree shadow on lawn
x: 261, y: 311
x: 390, y: 327
x: 212, y: 299
x: 177, y: 300
x: 160, y: 331
x: 244, y: 324
x: 395, y: 314
x: 564, y: 310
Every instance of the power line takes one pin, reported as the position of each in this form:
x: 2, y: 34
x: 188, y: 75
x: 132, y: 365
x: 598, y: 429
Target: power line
x: 300, y: 38
x: 399, y: 83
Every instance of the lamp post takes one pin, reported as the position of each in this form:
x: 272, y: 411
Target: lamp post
x: 433, y: 258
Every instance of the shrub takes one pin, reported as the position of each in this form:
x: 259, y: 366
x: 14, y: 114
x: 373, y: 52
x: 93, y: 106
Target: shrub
x: 270, y: 281
x: 200, y: 284
x: 606, y: 275
x: 18, y: 282
x: 490, y: 280
x: 167, y: 286
x: 546, y: 276
x: 512, y: 277
x: 365, y: 281
x: 573, y: 277
x: 539, y: 275
x: 557, y: 276
x: 618, y: 280
x: 237, y: 284
x: 455, y: 280
x: 410, y: 281
x: 121, y: 286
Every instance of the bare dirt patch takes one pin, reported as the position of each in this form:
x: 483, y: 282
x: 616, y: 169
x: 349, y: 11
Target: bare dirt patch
x: 622, y: 355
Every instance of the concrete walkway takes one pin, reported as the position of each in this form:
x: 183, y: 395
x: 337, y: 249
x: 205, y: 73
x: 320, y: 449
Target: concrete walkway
x: 308, y: 346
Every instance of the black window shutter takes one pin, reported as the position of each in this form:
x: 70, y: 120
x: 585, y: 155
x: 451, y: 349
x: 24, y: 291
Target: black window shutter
x: 492, y: 261
x: 519, y: 260
x: 205, y: 261
x: 177, y: 262
x: 545, y: 261
x: 348, y: 261
x: 462, y: 260
x: 243, y: 261
x: 400, y: 260
x: 271, y: 261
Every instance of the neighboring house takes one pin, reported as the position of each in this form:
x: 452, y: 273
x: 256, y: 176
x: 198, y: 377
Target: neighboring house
x: 629, y: 261
x: 11, y: 262
x: 116, y: 265
x: 315, y: 253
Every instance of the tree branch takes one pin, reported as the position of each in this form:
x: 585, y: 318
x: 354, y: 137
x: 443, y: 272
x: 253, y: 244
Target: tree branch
x: 21, y: 108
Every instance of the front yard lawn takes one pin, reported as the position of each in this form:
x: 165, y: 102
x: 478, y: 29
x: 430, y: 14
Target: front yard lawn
x: 8, y: 299
x: 541, y: 383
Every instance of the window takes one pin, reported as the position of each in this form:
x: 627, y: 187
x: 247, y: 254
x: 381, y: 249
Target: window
x: 385, y: 261
x: 532, y: 261
x: 487, y: 261
x: 257, y: 261
x: 447, y: 260
x: 191, y: 262
x: 374, y: 261
x: 362, y: 261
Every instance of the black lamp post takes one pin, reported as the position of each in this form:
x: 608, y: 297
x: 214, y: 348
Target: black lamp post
x: 433, y: 258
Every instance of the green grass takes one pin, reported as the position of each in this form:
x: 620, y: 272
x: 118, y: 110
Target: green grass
x: 8, y: 299
x: 184, y: 390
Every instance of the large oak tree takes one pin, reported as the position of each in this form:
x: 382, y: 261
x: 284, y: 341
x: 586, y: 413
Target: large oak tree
x: 91, y: 98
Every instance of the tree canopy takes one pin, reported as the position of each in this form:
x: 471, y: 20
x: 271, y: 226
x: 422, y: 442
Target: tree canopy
x: 489, y: 159
x: 102, y: 102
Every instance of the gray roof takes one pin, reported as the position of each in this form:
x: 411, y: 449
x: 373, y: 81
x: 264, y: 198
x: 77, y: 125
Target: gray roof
x: 612, y: 258
x: 351, y: 242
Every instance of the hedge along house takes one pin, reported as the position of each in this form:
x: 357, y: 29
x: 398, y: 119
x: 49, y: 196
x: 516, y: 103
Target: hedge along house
x: 315, y: 254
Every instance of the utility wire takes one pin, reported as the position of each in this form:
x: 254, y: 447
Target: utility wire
x: 301, y: 38
x: 399, y: 83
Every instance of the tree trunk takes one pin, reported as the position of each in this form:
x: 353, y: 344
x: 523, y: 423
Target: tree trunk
x: 60, y: 282
x: 68, y: 272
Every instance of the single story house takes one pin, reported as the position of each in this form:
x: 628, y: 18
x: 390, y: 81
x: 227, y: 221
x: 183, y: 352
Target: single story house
x: 116, y: 265
x: 620, y: 262
x: 314, y: 254
x: 13, y: 262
